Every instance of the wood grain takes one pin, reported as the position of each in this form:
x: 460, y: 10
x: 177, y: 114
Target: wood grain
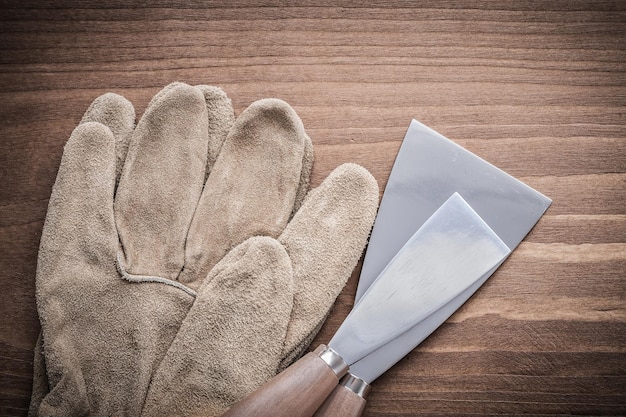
x: 342, y: 402
x: 298, y: 391
x: 537, y: 88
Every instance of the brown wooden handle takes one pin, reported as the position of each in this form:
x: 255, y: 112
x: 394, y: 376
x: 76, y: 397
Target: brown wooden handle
x: 342, y: 402
x: 298, y: 391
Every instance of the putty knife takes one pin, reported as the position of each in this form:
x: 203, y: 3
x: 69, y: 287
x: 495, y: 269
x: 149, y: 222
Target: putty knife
x: 451, y: 250
x: 428, y: 168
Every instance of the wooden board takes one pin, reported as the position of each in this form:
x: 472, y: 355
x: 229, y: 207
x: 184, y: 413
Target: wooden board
x: 536, y: 88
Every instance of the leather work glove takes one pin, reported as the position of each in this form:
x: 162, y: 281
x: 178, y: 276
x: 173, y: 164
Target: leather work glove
x: 208, y: 267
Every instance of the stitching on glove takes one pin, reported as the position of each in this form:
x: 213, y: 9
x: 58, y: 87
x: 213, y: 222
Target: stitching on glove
x: 149, y: 278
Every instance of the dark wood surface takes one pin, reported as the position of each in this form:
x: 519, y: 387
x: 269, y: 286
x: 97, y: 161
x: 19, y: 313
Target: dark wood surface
x: 538, y: 88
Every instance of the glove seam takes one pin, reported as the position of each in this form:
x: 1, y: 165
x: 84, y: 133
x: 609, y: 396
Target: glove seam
x: 151, y: 278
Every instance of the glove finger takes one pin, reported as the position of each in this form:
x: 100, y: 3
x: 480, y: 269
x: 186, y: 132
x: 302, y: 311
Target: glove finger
x: 325, y: 240
x: 79, y: 235
x: 221, y: 118
x: 305, y: 175
x: 252, y: 188
x: 118, y: 114
x: 231, y: 339
x: 162, y: 181
x: 80, y: 211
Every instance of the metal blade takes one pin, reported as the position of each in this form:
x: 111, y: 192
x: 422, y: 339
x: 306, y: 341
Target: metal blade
x: 428, y: 168
x: 379, y: 361
x: 445, y: 256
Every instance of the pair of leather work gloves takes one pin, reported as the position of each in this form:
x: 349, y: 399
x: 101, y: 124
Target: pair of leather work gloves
x: 183, y: 261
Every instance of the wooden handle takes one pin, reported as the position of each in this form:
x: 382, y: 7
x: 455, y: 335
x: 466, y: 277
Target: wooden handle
x: 298, y: 391
x: 342, y: 402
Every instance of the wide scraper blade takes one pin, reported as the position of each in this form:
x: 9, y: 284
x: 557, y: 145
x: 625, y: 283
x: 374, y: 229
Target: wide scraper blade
x: 429, y: 168
x: 452, y: 250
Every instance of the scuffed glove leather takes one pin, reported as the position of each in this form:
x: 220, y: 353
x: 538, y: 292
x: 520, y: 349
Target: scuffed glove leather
x: 204, y: 270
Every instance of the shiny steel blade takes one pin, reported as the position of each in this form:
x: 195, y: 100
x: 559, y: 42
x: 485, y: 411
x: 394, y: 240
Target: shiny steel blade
x: 445, y: 256
x: 379, y: 361
x: 429, y: 167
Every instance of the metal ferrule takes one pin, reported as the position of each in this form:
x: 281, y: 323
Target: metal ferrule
x: 356, y: 385
x: 334, y: 361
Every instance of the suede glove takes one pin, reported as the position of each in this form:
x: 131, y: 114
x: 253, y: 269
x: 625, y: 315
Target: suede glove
x: 139, y: 304
x: 101, y: 336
